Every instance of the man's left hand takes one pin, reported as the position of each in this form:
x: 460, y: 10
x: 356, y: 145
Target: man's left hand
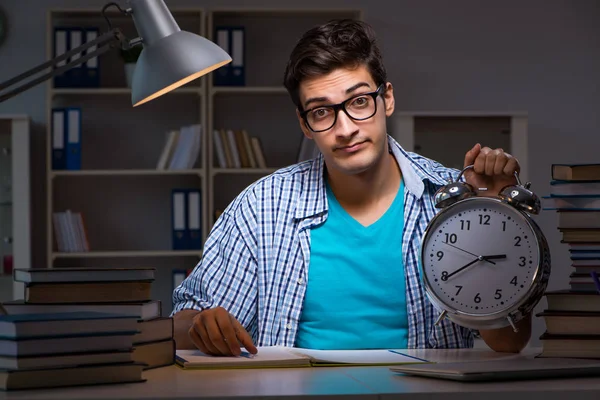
x: 492, y: 169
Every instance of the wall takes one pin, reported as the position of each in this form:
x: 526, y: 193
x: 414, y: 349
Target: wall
x: 536, y: 56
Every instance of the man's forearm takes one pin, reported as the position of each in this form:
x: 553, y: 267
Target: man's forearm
x: 182, y: 322
x: 506, y: 340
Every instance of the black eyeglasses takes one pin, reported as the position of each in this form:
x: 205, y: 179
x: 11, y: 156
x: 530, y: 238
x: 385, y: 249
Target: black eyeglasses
x: 358, y: 108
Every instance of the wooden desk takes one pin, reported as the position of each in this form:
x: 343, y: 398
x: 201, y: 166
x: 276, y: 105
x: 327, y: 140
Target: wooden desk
x: 368, y: 383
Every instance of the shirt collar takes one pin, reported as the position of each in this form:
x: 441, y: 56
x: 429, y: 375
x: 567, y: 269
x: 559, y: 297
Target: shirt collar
x: 313, y: 198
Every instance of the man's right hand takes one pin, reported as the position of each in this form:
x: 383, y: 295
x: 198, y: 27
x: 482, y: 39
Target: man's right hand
x: 214, y: 331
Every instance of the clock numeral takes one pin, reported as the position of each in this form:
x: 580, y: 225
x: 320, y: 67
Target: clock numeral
x: 459, y: 289
x: 514, y: 281
x: 451, y: 238
x: 477, y: 299
x: 523, y: 261
x: 465, y: 224
x: 503, y: 226
x: 444, y: 276
x: 517, y: 241
x: 498, y: 294
x: 440, y: 255
x: 484, y: 219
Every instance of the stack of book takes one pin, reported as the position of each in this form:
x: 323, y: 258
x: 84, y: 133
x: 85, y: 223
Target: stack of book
x: 66, y: 349
x: 573, y: 315
x: 124, y: 292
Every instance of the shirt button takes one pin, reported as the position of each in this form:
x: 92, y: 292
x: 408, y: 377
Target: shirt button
x: 288, y: 326
x: 300, y: 281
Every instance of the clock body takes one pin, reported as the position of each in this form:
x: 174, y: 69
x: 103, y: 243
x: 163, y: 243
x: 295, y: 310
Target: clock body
x: 485, y: 264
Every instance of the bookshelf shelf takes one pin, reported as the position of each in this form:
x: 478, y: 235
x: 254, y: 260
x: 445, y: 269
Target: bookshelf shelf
x: 261, y: 105
x: 126, y: 201
x: 119, y: 91
x: 242, y: 171
x: 249, y: 90
x: 128, y: 172
x: 143, y: 253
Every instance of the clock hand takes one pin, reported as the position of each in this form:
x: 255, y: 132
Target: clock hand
x: 462, y: 268
x: 473, y: 254
x: 494, y: 257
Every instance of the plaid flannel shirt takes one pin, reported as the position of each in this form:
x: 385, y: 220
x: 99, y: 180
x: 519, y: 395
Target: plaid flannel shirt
x: 255, y: 260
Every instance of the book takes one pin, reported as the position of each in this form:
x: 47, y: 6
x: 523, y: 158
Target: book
x: 576, y: 172
x: 89, y: 292
x: 573, y: 188
x: 577, y: 202
x: 142, y: 311
x: 66, y: 345
x: 68, y: 274
x: 575, y: 346
x: 71, y: 376
x: 279, y: 357
x: 585, y: 235
x: 156, y: 354
x: 154, y: 330
x: 579, y: 219
x: 566, y: 300
x: 64, y: 360
x: 571, y: 322
x: 64, y: 324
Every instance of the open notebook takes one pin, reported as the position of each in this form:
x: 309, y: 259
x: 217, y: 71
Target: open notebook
x: 279, y: 356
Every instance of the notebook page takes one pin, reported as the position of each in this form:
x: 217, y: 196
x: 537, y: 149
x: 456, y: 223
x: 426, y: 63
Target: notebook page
x: 364, y: 357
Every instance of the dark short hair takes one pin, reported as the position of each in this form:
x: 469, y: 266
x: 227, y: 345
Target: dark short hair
x: 341, y: 43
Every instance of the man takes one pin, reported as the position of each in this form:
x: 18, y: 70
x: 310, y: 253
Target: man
x: 324, y: 254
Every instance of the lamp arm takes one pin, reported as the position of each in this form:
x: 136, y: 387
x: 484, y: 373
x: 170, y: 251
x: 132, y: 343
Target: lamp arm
x: 103, y: 43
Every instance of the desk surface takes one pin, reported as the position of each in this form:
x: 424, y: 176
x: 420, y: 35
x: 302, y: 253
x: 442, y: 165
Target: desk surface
x: 322, y: 382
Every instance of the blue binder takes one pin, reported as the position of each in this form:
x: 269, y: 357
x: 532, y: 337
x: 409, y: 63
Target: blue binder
x: 73, y: 138
x: 179, y: 219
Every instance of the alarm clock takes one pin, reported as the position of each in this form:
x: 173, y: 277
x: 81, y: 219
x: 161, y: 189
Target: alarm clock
x: 485, y: 262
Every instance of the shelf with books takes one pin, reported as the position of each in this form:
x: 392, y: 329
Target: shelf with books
x: 248, y: 95
x: 131, y: 158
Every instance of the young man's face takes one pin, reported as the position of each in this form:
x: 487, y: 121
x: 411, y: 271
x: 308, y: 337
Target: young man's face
x: 349, y: 146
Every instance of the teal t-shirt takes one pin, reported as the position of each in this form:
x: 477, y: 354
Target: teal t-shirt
x: 356, y: 293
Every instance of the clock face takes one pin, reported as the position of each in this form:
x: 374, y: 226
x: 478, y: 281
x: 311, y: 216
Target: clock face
x: 480, y: 256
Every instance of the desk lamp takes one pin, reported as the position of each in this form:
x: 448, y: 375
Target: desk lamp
x: 170, y: 57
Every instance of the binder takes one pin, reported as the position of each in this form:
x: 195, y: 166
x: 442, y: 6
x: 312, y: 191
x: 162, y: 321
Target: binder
x: 222, y: 75
x: 238, y: 56
x: 194, y: 212
x: 73, y: 150
x: 58, y: 139
x: 76, y: 74
x: 91, y: 66
x: 61, y: 44
x: 179, y: 219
